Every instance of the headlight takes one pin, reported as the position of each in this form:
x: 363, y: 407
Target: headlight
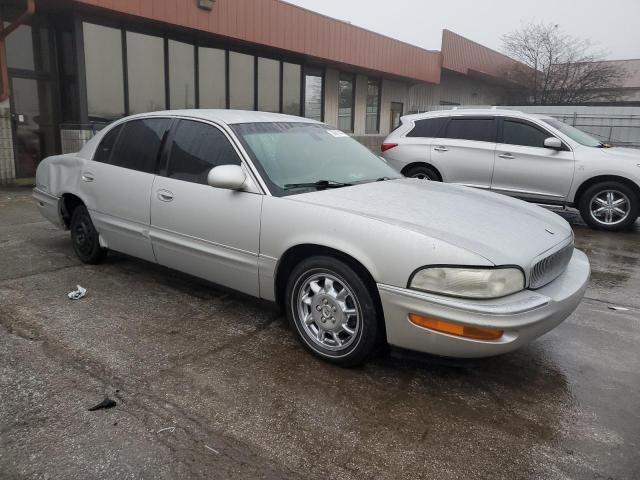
x: 469, y: 282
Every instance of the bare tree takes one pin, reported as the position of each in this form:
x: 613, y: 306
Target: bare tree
x: 558, y: 69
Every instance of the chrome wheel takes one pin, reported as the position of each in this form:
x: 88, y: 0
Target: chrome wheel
x: 610, y: 207
x: 329, y: 311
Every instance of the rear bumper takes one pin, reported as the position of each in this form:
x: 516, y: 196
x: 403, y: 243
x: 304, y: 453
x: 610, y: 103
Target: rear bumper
x: 49, y: 206
x: 523, y: 316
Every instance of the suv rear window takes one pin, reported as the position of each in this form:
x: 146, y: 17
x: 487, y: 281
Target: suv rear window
x: 472, y: 128
x: 428, y: 128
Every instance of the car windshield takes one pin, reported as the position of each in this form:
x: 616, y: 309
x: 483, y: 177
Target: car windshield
x: 572, y: 132
x: 297, y: 157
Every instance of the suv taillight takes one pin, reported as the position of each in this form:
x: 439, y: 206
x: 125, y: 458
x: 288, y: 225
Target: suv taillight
x: 387, y: 146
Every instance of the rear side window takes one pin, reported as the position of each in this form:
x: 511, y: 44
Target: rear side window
x: 478, y: 129
x: 428, y: 128
x: 139, y: 143
x: 106, y: 145
x: 195, y: 149
x: 515, y: 132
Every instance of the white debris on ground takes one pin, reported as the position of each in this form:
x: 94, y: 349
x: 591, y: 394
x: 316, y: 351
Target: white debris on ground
x: 78, y: 293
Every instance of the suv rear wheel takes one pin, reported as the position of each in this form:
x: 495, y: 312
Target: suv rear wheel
x: 422, y: 172
x: 609, y: 206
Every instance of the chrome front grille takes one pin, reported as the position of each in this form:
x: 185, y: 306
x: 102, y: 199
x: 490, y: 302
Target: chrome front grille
x: 549, y: 268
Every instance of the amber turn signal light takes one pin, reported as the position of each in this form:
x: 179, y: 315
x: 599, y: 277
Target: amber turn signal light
x: 457, y: 329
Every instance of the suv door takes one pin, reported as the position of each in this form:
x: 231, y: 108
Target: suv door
x: 116, y: 184
x: 525, y: 168
x: 208, y: 232
x: 465, y: 153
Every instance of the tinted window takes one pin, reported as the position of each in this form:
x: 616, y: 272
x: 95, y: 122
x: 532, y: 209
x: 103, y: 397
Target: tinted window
x: 195, y: 149
x: 139, y: 144
x: 106, y: 145
x: 479, y: 129
x: 519, y: 133
x: 428, y: 128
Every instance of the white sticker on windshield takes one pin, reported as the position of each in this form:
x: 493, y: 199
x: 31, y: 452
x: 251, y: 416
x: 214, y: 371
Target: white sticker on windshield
x: 337, y: 133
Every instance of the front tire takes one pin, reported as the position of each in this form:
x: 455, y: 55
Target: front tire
x: 611, y: 206
x: 84, y: 237
x: 332, y: 311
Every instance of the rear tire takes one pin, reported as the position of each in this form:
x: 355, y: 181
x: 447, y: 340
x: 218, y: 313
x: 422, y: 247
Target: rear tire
x: 610, y: 206
x: 332, y: 311
x: 85, y: 238
x: 423, y: 172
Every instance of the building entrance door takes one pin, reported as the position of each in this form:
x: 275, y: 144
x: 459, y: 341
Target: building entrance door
x: 34, y: 131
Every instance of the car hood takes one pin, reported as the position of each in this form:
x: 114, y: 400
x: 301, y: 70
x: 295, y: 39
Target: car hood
x: 503, y: 230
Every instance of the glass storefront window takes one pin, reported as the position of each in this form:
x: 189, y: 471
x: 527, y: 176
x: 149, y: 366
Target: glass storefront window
x: 268, y: 85
x: 104, y: 72
x: 212, y: 77
x: 313, y: 94
x: 345, y: 102
x: 373, y: 106
x: 291, y: 88
x: 145, y: 72
x: 241, y: 81
x: 182, y: 84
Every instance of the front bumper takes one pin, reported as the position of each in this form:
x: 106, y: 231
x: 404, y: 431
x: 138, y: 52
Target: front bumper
x: 522, y: 316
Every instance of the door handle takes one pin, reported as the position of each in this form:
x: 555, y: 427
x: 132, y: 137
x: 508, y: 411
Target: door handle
x: 441, y: 149
x: 506, y: 155
x: 87, y: 177
x: 165, y: 195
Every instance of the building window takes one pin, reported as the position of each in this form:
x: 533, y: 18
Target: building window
x: 241, y: 81
x: 373, y: 106
x: 104, y: 72
x: 346, y: 94
x: 182, y: 86
x: 145, y: 73
x: 313, y: 85
x: 212, y: 74
x: 291, y: 88
x: 268, y: 85
x: 397, y: 110
x: 27, y: 48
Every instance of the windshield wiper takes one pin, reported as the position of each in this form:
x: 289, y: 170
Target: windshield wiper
x: 319, y: 185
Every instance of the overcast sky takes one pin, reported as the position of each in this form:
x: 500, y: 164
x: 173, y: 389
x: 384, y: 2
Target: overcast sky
x: 613, y: 24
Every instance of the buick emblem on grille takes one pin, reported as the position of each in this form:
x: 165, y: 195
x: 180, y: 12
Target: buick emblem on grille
x: 548, y: 230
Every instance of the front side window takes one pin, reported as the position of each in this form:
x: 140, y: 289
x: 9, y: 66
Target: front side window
x: 521, y: 133
x: 104, y: 72
x: 428, y: 128
x: 373, y: 106
x: 345, y: 102
x: 477, y: 129
x: 572, y: 132
x: 103, y: 152
x: 196, y: 148
x: 138, y: 144
x: 145, y: 73
x: 289, y: 154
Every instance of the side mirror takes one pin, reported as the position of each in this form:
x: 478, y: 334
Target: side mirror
x: 230, y: 177
x: 553, y: 143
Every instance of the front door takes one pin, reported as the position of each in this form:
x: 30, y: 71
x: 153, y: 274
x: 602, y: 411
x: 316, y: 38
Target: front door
x: 208, y: 232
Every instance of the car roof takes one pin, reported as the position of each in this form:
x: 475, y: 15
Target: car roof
x: 226, y: 116
x: 463, y: 112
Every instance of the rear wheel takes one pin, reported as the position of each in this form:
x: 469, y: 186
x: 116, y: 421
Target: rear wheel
x: 609, y: 206
x: 332, y: 311
x: 423, y: 172
x: 84, y: 237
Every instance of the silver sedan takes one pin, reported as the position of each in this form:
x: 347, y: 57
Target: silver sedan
x: 296, y: 212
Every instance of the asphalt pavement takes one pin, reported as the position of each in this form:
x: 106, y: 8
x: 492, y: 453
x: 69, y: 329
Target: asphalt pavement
x: 209, y: 383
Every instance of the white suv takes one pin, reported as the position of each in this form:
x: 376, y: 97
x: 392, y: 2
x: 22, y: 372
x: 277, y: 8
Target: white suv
x: 532, y: 157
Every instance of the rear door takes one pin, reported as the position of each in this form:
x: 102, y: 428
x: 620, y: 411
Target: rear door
x: 212, y: 233
x: 116, y: 184
x: 415, y: 145
x: 464, y: 154
x: 525, y: 168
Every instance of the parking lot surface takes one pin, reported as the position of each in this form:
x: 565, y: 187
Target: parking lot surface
x: 246, y: 401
